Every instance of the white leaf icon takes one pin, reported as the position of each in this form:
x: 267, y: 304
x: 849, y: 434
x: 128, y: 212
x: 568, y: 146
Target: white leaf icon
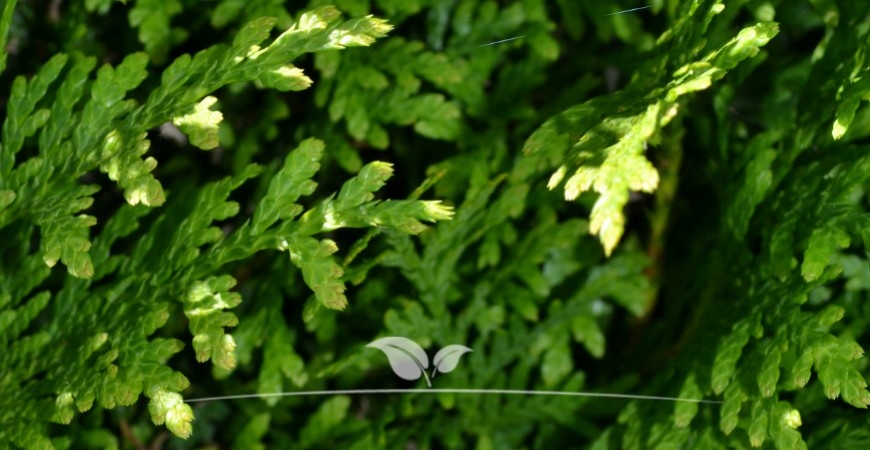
x: 447, y: 358
x: 407, y: 359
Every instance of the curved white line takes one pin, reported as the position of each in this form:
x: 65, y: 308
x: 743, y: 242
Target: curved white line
x: 453, y: 391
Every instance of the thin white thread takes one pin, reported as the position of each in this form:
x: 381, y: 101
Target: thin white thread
x: 450, y: 391
x: 520, y: 37
x: 501, y: 41
x: 628, y: 10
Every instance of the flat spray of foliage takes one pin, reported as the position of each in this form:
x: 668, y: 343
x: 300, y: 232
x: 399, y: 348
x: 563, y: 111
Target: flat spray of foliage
x: 666, y: 202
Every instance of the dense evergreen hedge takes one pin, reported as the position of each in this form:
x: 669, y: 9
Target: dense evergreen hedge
x: 240, y: 198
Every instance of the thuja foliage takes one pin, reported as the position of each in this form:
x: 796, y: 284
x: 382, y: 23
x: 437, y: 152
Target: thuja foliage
x: 197, y: 199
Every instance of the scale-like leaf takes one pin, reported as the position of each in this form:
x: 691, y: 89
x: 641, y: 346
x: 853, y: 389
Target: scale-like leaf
x: 205, y: 305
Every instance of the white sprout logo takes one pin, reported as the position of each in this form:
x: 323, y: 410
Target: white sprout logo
x: 409, y: 361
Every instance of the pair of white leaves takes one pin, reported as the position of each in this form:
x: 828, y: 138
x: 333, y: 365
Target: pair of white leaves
x: 409, y: 361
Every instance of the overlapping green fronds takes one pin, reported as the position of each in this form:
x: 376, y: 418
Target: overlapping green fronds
x: 96, y: 340
x: 715, y: 151
x: 604, y: 140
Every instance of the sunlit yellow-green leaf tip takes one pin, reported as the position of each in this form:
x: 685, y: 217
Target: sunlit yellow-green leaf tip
x: 286, y: 78
x: 792, y: 419
x: 360, y: 32
x: 64, y: 410
x: 169, y: 407
x: 145, y: 190
x: 845, y: 115
x: 839, y: 129
x: 318, y: 18
x: 205, y: 305
x: 225, y: 357
x: 557, y: 177
x: 435, y: 210
x: 201, y: 125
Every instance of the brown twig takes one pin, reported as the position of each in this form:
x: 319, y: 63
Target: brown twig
x: 129, y: 436
x: 159, y: 441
